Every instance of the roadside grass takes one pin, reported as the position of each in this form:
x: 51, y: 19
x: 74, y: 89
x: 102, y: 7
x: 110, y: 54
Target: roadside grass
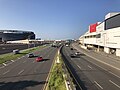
x: 12, y: 56
x: 56, y: 81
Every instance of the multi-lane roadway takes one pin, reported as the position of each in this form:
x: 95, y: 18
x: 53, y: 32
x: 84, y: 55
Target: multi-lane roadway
x: 90, y: 73
x: 8, y: 48
x: 27, y: 74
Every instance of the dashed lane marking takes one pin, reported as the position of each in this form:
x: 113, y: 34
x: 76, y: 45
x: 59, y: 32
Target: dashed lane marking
x: 103, y: 62
x: 90, y: 67
x: 79, y: 66
x: 21, y: 71
x: 4, y: 64
x: 114, y: 83
x: 33, y: 62
x: 24, y: 61
x: 5, y: 72
x: 98, y: 85
x: 12, y: 61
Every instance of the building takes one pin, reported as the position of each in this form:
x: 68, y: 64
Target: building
x: 104, y: 36
x: 12, y: 35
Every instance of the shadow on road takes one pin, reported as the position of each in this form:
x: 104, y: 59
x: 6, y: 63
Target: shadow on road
x: 19, y: 85
x: 46, y: 59
x: 24, y: 75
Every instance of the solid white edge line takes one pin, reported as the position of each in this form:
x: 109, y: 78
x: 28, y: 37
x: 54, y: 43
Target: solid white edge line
x: 104, y: 62
x: 98, y: 85
x: 114, y: 83
x: 103, y: 68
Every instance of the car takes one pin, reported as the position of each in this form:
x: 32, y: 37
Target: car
x: 16, y: 51
x: 66, y: 45
x: 76, y: 55
x: 72, y: 55
x: 30, y: 55
x: 38, y: 59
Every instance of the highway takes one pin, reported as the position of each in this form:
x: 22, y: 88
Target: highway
x: 8, y: 48
x: 89, y: 74
x: 27, y: 74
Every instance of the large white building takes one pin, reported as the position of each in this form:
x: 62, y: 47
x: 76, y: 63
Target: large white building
x: 104, y: 36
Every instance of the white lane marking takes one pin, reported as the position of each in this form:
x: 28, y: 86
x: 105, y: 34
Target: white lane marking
x: 90, y: 67
x: 79, y: 66
x: 4, y: 64
x: 5, y: 72
x: 24, y: 61
x: 23, y: 56
x: 33, y: 62
x: 114, y: 83
x: 114, y: 74
x: 21, y: 71
x: 12, y: 61
x: 105, y: 69
x: 103, y: 62
x: 98, y: 85
x: 2, y: 67
x: 18, y: 58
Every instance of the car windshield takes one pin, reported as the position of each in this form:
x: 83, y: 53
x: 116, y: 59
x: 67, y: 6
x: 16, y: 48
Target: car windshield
x: 59, y: 44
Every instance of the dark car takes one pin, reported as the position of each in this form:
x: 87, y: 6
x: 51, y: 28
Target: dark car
x: 76, y: 55
x: 30, y: 55
x: 73, y: 55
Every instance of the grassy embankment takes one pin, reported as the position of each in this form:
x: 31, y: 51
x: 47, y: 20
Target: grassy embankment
x: 11, y: 56
x: 56, y: 80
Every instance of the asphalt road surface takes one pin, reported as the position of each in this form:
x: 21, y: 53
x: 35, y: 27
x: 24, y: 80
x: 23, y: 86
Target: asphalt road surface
x: 27, y: 74
x: 89, y: 74
x: 8, y: 48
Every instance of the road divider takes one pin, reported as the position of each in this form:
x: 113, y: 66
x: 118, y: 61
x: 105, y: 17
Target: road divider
x: 58, y: 78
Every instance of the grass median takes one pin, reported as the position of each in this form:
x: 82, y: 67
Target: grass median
x: 56, y: 80
x: 10, y: 56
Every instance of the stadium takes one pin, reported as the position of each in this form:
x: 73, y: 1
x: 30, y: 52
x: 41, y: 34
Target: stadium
x: 12, y: 35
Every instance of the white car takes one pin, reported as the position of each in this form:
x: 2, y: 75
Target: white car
x: 30, y: 55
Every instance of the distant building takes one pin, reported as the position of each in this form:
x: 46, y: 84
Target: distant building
x: 104, y: 36
x: 12, y: 35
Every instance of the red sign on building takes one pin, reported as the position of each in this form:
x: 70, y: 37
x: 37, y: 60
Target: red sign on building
x: 92, y: 27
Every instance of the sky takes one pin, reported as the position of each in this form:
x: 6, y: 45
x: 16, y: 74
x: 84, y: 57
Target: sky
x: 54, y: 19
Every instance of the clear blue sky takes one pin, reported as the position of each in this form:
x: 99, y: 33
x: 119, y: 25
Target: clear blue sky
x: 54, y: 19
